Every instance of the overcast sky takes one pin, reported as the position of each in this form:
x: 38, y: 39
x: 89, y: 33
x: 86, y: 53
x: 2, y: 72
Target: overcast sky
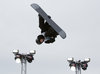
x: 80, y: 19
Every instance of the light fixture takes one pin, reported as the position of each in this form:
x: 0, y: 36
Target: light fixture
x: 70, y: 59
x: 15, y: 51
x: 32, y: 52
x: 84, y: 65
x: 18, y: 58
x: 78, y: 65
x: 87, y: 60
x: 29, y: 58
x: 23, y: 59
x: 73, y: 66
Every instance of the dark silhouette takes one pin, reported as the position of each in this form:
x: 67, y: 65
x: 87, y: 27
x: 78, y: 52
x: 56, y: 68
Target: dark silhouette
x: 48, y: 34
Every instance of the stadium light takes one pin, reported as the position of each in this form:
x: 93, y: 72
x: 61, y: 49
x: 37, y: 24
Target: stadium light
x: 23, y: 59
x: 78, y: 65
x: 73, y: 66
x: 18, y: 58
x: 70, y: 59
x: 29, y: 58
x: 15, y: 51
x: 32, y: 52
x: 87, y: 60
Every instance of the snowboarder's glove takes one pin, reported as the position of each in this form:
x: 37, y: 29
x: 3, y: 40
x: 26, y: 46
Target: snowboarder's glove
x: 50, y: 41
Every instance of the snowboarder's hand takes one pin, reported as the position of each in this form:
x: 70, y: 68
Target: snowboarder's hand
x: 50, y: 41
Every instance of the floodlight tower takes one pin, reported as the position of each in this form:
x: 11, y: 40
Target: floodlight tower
x: 23, y: 58
x: 77, y: 65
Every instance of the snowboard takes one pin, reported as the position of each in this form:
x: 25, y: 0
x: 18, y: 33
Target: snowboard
x: 40, y: 11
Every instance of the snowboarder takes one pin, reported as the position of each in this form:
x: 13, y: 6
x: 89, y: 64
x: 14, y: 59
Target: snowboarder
x: 48, y: 34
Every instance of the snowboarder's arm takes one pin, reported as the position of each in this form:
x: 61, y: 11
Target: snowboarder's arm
x: 41, y: 22
x: 43, y: 25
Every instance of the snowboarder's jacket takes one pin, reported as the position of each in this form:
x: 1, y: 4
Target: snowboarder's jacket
x: 45, y: 27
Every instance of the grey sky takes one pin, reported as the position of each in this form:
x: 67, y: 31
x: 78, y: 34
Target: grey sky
x: 80, y: 19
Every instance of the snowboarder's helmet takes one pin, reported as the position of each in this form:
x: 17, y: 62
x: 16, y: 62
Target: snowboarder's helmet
x: 40, y: 39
